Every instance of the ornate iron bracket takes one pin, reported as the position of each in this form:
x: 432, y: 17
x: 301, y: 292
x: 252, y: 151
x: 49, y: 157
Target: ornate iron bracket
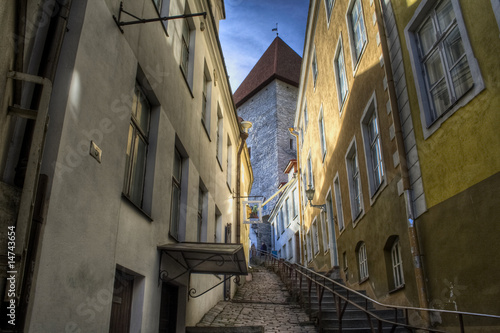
x: 120, y: 23
x: 192, y: 291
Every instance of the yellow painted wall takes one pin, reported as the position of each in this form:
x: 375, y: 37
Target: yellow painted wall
x: 465, y: 149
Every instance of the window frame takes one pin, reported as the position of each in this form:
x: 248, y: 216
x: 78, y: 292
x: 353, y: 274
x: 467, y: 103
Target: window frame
x: 219, y: 136
x: 137, y: 132
x: 397, y: 265
x: 315, y: 236
x: 310, y: 175
x: 177, y: 184
x: 322, y: 135
x: 314, y: 68
x: 339, y: 72
x: 375, y: 181
x: 355, y: 54
x: 329, y: 10
x: 206, y: 101
x: 429, y: 125
x: 338, y: 203
x: 353, y: 172
x: 363, y: 263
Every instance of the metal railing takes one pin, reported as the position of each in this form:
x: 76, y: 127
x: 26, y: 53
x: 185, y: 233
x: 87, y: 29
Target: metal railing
x: 294, y: 276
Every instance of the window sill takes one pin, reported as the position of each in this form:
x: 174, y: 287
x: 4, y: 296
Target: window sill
x: 143, y: 212
x: 396, y: 289
x: 364, y: 280
x: 229, y: 187
x: 377, y: 192
x: 187, y: 82
x: 358, y: 218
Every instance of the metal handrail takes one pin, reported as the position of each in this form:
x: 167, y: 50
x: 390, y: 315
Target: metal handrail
x: 283, y: 266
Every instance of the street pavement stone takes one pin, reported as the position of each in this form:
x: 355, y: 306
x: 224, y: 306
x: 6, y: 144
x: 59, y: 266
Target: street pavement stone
x: 263, y: 301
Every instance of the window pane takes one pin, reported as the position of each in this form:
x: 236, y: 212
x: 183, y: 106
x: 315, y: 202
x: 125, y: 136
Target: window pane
x: 427, y: 37
x: 177, y: 166
x: 445, y: 14
x: 454, y: 47
x: 462, y: 78
x: 175, y: 211
x: 129, y: 154
x: 138, y: 170
x: 434, y: 68
x: 143, y: 110
x: 441, y: 99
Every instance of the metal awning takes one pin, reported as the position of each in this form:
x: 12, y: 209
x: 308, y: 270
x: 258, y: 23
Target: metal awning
x: 208, y: 258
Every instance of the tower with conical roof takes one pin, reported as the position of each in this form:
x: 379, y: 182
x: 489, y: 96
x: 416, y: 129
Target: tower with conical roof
x: 267, y: 97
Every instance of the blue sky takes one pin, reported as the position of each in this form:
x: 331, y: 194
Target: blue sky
x: 246, y: 32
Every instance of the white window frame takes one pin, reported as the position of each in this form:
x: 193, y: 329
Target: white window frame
x: 229, y: 163
x: 206, y: 101
x: 287, y: 210
x: 397, y: 265
x: 162, y: 8
x: 340, y: 75
x: 314, y: 68
x: 306, y: 117
x: 430, y: 125
x: 356, y: 54
x: 309, y: 246
x: 363, y: 263
x: 310, y: 176
x: 315, y: 235
x: 290, y: 249
x: 373, y: 146
x: 328, y: 10
x: 324, y: 231
x: 187, y: 39
x: 220, y: 136
x: 294, y: 203
x: 322, y: 137
x: 354, y: 181
x: 338, y: 203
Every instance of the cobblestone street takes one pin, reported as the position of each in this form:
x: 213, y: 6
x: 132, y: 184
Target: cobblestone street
x: 263, y: 301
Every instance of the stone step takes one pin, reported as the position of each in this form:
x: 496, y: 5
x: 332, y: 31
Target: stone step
x: 358, y: 314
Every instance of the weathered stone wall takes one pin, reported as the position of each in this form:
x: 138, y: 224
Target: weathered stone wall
x: 272, y: 112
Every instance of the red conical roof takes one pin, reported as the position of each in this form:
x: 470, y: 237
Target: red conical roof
x: 278, y: 62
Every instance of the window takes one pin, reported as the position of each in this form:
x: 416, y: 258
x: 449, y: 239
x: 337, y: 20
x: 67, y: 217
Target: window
x: 447, y: 75
x: 287, y: 212
x: 324, y: 231
x: 206, y: 101
x: 363, y: 262
x: 229, y: 161
x: 338, y: 203
x: 285, y: 253
x: 309, y: 246
x: 354, y: 182
x: 306, y: 118
x: 314, y: 68
x: 328, y: 7
x: 357, y: 30
x: 322, y: 139
x: 137, y: 148
x: 332, y: 237
x: 281, y: 220
x: 220, y: 132
x: 373, y: 153
x: 188, y: 33
x: 162, y: 7
x: 301, y: 133
x: 315, y: 237
x: 397, y: 265
x: 201, y: 235
x: 340, y: 75
x: 310, y: 172
x: 290, y: 249
x: 294, y: 203
x: 176, y: 196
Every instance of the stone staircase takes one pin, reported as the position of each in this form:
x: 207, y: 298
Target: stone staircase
x: 353, y: 319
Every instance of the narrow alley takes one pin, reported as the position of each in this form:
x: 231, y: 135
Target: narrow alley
x: 260, y: 305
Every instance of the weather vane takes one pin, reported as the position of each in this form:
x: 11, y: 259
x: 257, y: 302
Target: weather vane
x: 276, y: 29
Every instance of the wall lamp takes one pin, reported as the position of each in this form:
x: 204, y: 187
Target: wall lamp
x: 310, y: 196
x: 246, y: 125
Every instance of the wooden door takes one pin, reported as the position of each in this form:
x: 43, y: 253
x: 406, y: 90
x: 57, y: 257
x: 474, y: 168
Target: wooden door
x: 122, y: 303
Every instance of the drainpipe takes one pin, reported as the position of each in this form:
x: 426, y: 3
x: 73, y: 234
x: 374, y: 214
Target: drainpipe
x: 243, y: 136
x: 301, y: 234
x: 403, y: 166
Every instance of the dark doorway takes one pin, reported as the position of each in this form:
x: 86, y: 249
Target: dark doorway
x: 168, y: 308
x: 122, y: 303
